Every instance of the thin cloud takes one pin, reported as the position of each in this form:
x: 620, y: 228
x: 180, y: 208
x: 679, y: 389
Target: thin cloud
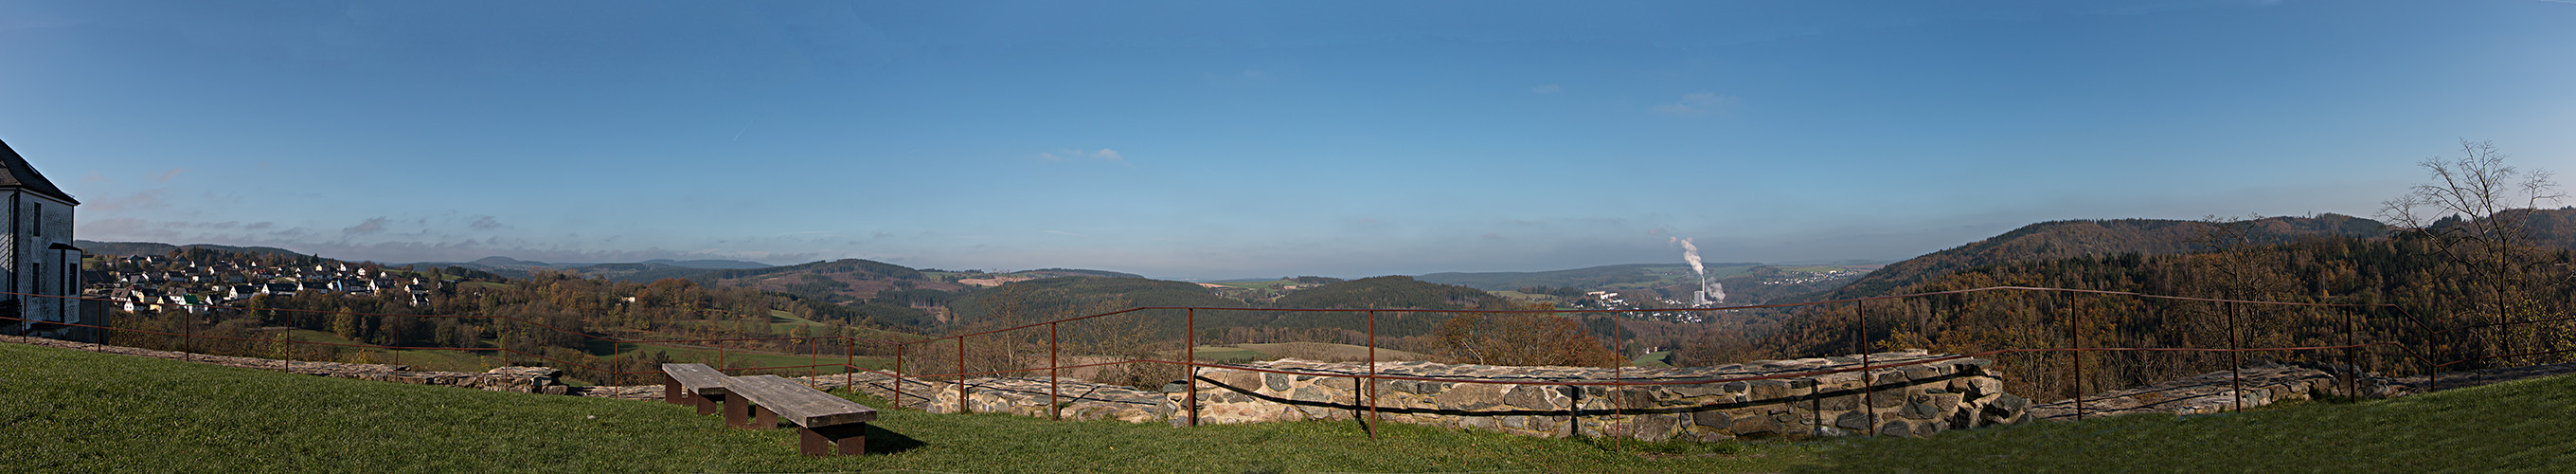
x: 486, y: 223
x: 174, y: 173
x: 371, y: 226
x: 1108, y: 154
x: 94, y: 177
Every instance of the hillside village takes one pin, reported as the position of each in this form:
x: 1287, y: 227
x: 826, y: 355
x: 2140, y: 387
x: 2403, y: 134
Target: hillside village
x: 154, y: 283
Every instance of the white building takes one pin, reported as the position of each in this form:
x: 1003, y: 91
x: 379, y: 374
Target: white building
x: 43, y: 273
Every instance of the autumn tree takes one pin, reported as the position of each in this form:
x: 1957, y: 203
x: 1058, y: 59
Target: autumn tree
x: 2477, y: 209
x: 1523, y: 339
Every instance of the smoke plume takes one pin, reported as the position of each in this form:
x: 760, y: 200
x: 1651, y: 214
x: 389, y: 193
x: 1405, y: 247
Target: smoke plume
x: 1690, y: 253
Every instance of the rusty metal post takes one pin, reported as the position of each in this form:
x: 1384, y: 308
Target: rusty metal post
x: 849, y: 364
x: 898, y: 374
x: 720, y: 357
x: 1868, y: 388
x: 1055, y: 382
x: 2075, y: 340
x: 961, y: 373
x: 1192, y: 348
x: 1372, y: 373
x: 813, y: 361
x: 1618, y: 373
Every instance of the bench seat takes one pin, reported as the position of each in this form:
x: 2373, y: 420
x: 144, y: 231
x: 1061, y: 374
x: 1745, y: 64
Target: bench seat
x: 821, y: 418
x: 698, y: 384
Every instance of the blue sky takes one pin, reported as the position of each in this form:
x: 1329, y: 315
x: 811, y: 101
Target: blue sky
x: 1219, y: 140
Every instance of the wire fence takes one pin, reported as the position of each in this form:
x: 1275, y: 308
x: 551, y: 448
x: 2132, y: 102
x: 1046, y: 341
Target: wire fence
x: 2123, y: 338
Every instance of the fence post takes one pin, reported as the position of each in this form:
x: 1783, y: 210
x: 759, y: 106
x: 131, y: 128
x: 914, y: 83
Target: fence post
x: 898, y: 374
x: 961, y: 373
x: 849, y: 364
x: 1868, y: 389
x: 2075, y: 340
x: 1192, y: 350
x: 1055, y: 381
x: 1373, y: 420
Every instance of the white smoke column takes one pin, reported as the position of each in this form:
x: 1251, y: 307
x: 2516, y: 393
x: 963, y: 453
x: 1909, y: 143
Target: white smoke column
x: 1690, y: 253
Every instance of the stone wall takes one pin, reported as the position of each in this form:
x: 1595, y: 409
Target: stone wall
x: 1901, y: 401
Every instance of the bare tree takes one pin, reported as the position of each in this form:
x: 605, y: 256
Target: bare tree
x: 2478, y: 209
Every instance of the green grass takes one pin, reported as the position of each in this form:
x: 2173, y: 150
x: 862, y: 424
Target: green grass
x: 2511, y: 427
x: 72, y: 411
x: 1652, y: 359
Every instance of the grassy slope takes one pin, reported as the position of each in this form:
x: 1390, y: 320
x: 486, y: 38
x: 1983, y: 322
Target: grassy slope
x: 71, y: 411
x: 2513, y: 427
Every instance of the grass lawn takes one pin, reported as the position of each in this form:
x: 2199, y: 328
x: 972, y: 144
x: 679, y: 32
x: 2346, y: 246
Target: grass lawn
x: 2512, y: 427
x: 73, y: 411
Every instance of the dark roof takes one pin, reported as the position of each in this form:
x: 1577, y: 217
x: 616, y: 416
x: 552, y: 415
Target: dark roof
x: 23, y: 176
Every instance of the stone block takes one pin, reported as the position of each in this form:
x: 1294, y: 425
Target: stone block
x: 1657, y: 427
x: 1754, y: 425
x: 1852, y: 420
x: 1711, y: 418
x: 1277, y: 383
x: 1471, y: 397
x: 1693, y: 391
x: 1887, y: 400
x: 1839, y: 403
x: 1895, y: 428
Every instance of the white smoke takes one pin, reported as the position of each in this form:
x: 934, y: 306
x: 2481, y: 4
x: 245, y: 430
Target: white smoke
x: 1690, y: 253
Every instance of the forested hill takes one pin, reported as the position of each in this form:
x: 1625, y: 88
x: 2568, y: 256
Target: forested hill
x: 839, y: 281
x: 1045, y: 299
x: 130, y: 249
x: 1390, y: 292
x: 2080, y: 238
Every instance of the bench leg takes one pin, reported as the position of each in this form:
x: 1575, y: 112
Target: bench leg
x: 848, y: 440
x: 737, y: 412
x: 811, y: 443
x: 671, y: 391
x: 763, y: 418
x: 707, y: 404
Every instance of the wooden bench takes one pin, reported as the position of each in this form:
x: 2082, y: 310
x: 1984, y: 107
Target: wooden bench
x: 698, y: 384
x: 820, y: 417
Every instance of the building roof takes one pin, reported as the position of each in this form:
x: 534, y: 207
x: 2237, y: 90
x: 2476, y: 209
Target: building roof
x: 22, y: 176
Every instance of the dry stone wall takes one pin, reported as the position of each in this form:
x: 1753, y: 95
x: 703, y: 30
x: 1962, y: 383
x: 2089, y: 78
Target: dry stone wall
x: 1899, y: 401
x: 1539, y: 401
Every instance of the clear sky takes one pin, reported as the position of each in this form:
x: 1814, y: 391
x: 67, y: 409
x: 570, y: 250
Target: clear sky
x: 1220, y: 140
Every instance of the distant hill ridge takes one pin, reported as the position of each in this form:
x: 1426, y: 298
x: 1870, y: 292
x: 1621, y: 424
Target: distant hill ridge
x: 1589, y: 277
x: 128, y: 249
x: 2078, y: 238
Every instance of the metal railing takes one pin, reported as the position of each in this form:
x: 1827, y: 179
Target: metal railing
x: 904, y: 353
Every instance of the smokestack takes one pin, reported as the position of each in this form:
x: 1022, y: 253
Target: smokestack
x: 1690, y: 253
